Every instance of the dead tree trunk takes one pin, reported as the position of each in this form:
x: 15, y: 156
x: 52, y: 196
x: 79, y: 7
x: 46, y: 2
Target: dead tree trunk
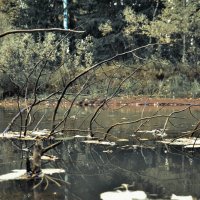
x: 35, y: 168
x: 37, y: 153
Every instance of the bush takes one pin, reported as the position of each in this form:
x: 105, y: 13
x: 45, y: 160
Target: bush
x: 19, y: 55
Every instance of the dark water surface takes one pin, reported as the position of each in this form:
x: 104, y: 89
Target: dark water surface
x: 92, y: 169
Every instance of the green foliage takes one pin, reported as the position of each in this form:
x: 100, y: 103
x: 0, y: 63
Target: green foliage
x: 178, y: 86
x: 40, y: 14
x: 106, y: 27
x: 195, y: 89
x: 10, y: 10
x: 176, y: 18
x: 84, y: 52
x: 134, y: 21
x: 176, y: 24
x: 72, y: 64
x: 110, y: 27
x: 4, y: 23
x: 19, y: 57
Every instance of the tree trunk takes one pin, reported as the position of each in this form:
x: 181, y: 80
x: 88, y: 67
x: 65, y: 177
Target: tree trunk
x: 37, y: 153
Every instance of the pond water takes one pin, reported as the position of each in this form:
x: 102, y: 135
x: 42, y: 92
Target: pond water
x: 92, y: 169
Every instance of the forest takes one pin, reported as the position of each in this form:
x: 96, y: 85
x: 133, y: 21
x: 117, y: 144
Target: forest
x: 99, y: 99
x: 165, y: 31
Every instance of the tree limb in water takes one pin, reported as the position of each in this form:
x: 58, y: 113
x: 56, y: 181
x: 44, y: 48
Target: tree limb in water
x: 136, y: 121
x: 51, y: 147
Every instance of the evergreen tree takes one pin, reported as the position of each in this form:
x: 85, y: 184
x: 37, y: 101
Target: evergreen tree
x: 177, y: 24
x: 106, y: 22
x: 40, y: 14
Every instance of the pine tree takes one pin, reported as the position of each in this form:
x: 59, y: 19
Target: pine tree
x: 177, y: 24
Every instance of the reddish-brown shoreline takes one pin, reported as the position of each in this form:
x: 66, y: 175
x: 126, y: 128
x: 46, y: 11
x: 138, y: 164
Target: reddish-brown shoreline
x: 140, y: 101
x: 117, y: 101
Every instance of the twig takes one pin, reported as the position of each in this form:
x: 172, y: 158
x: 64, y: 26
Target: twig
x: 51, y: 147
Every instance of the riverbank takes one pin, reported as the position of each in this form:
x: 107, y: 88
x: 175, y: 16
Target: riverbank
x: 148, y: 101
x: 115, y: 102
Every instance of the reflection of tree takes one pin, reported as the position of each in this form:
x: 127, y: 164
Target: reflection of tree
x: 91, y: 171
x: 152, y: 171
x: 107, y: 170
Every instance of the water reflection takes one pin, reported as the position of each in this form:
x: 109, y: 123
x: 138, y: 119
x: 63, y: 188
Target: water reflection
x: 92, y: 169
x: 80, y: 117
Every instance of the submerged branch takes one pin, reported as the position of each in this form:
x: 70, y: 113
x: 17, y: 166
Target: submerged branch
x: 51, y: 147
x: 24, y: 109
x: 136, y: 121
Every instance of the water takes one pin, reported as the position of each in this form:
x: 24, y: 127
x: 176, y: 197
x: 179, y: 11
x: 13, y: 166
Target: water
x: 92, y: 169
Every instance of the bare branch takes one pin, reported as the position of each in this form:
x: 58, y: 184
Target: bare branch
x: 44, y: 150
x: 40, y: 30
x: 95, y: 66
x: 136, y: 121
